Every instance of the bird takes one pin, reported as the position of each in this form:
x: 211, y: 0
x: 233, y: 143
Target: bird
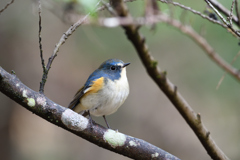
x: 104, y: 92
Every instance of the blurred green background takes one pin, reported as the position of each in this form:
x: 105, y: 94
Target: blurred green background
x: 147, y: 113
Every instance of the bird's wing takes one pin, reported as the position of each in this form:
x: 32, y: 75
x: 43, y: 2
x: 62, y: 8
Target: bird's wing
x: 93, y: 85
x: 76, y: 99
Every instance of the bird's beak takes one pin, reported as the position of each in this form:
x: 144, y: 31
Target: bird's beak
x: 125, y: 64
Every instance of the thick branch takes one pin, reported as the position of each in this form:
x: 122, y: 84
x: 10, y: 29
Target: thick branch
x: 167, y: 87
x: 65, y: 118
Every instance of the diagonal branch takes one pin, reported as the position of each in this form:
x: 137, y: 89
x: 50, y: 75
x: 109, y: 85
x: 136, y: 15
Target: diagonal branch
x: 170, y: 90
x: 62, y: 40
x: 224, y: 10
x: 187, y: 30
x: 69, y: 120
x: 7, y: 5
x: 202, y: 43
x: 193, y: 11
x: 221, y: 17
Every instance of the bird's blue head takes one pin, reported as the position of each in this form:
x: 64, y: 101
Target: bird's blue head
x: 113, y: 69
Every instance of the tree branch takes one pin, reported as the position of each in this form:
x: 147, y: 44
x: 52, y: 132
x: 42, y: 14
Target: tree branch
x: 199, y: 40
x: 45, y: 72
x: 224, y: 21
x: 224, y: 10
x: 62, y: 40
x: 194, y: 12
x: 237, y: 12
x: 187, y: 30
x: 167, y: 87
x: 7, y: 5
x: 69, y: 120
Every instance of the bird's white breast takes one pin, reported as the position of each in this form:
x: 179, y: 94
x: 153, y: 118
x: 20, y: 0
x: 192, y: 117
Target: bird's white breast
x: 108, y: 99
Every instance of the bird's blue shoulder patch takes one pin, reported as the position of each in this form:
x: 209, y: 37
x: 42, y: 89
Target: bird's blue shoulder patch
x: 93, y: 77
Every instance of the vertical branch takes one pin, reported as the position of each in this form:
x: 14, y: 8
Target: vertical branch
x: 41, y: 89
x: 167, y: 87
x: 237, y: 11
x: 39, y: 34
x: 62, y: 40
x: 231, y: 13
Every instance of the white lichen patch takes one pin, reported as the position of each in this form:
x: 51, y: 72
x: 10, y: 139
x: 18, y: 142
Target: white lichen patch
x: 73, y: 120
x: 31, y: 102
x: 114, y: 138
x: 24, y: 93
x: 168, y: 156
x: 17, y: 84
x: 111, y: 22
x: 155, y: 155
x: 132, y: 143
x: 41, y: 101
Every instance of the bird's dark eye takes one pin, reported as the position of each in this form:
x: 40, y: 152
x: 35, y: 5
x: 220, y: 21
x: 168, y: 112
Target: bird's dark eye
x: 113, y: 68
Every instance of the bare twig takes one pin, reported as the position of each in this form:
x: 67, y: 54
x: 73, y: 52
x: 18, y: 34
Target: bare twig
x: 41, y: 89
x: 221, y: 17
x: 167, y: 87
x: 62, y: 40
x: 193, y: 11
x: 223, y: 10
x: 75, y: 123
x: 108, y: 7
x: 225, y: 25
x: 234, y: 59
x: 237, y: 12
x: 203, y: 44
x: 231, y: 13
x: 7, y: 5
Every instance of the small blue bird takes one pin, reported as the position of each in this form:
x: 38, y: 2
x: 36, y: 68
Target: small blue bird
x: 104, y: 92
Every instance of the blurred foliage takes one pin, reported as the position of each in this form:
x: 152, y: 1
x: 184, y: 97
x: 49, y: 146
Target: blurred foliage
x: 147, y: 113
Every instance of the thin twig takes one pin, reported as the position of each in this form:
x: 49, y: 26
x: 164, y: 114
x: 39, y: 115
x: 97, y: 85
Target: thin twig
x: 7, y: 5
x: 221, y: 17
x: 223, y: 10
x: 237, y: 12
x: 231, y: 13
x: 193, y: 11
x: 225, y: 25
x: 109, y: 8
x: 203, y: 44
x: 62, y: 40
x: 220, y: 81
x: 41, y: 89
